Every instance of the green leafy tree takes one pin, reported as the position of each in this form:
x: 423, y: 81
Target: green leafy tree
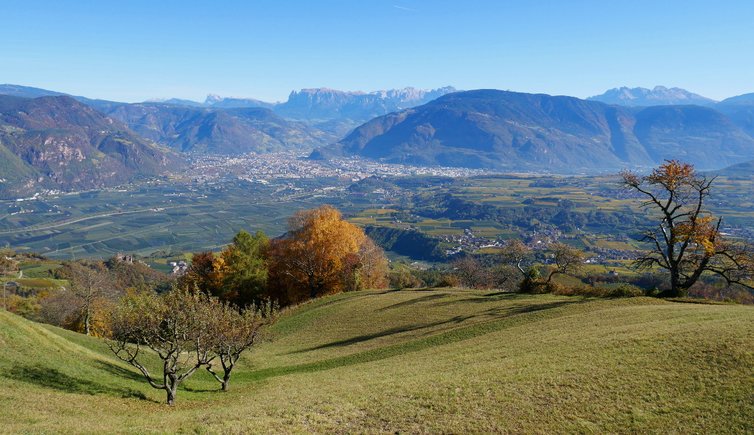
x: 244, y: 268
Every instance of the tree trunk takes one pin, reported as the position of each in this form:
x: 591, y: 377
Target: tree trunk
x: 676, y: 290
x: 226, y: 382
x: 87, y: 320
x: 312, y: 287
x: 171, y: 388
x: 171, y: 396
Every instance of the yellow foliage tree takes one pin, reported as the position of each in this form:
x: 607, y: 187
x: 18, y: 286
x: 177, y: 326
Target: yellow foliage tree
x: 323, y: 254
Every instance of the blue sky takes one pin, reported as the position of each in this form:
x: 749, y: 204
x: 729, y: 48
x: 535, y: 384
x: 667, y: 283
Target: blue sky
x: 135, y: 50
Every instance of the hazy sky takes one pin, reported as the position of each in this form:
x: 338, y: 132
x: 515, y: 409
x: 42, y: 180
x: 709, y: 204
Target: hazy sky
x: 135, y: 50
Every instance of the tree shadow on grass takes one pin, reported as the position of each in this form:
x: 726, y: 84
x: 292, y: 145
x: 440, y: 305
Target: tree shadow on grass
x: 496, y: 319
x: 124, y: 372
x: 54, y: 379
x: 525, y: 298
x: 506, y: 293
x: 201, y: 390
x: 120, y: 372
x: 523, y: 309
x: 487, y: 297
x: 385, y: 333
x: 418, y: 300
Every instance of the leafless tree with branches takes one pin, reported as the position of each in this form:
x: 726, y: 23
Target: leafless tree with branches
x: 687, y: 241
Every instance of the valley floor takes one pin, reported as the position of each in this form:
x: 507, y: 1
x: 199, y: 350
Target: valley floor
x: 416, y: 361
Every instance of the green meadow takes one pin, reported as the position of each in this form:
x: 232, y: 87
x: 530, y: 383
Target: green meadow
x: 420, y: 361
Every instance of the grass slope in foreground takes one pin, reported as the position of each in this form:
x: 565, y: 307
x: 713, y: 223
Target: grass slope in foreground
x: 416, y: 361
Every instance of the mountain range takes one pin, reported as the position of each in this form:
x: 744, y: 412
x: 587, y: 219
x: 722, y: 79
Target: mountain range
x: 330, y: 115
x: 332, y: 111
x: 324, y: 103
x: 218, y: 131
x: 658, y: 96
x: 54, y: 140
x: 537, y: 132
x: 57, y: 142
x: 740, y: 110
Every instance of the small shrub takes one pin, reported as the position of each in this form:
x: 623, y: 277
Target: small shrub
x: 448, y: 280
x: 621, y: 290
x: 435, y: 278
x: 537, y: 287
x: 402, y: 279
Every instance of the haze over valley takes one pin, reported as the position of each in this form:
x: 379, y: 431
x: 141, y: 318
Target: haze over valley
x: 417, y: 216
x: 498, y: 131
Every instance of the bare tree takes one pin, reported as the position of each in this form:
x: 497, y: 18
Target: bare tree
x: 89, y: 283
x: 235, y: 332
x: 517, y: 254
x: 174, y: 326
x: 60, y: 308
x: 472, y: 273
x: 687, y: 241
x: 567, y: 260
x: 6, y: 265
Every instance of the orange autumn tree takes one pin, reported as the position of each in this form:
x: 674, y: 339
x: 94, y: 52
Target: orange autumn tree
x: 204, y: 274
x: 687, y: 241
x: 323, y: 254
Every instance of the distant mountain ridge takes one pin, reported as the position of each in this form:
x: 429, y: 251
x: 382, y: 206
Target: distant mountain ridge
x: 27, y: 91
x: 332, y: 111
x: 324, y: 103
x: 31, y: 92
x: 506, y: 131
x: 743, y: 170
x: 537, y: 132
x: 57, y: 142
x: 740, y: 109
x: 219, y: 131
x: 658, y: 96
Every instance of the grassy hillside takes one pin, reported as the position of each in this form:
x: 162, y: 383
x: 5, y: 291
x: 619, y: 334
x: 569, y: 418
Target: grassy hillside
x: 415, y: 361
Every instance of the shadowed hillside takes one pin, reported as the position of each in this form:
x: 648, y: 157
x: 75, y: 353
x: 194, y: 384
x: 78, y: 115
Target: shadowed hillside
x: 229, y: 131
x: 59, y: 143
x: 536, y: 132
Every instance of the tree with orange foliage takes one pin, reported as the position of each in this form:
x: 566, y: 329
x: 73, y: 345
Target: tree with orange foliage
x: 687, y: 242
x: 204, y: 274
x: 323, y: 254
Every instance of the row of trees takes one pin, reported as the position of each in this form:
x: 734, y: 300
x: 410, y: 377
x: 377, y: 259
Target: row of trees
x: 198, y: 323
x: 7, y: 265
x: 320, y: 254
x: 76, y: 295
